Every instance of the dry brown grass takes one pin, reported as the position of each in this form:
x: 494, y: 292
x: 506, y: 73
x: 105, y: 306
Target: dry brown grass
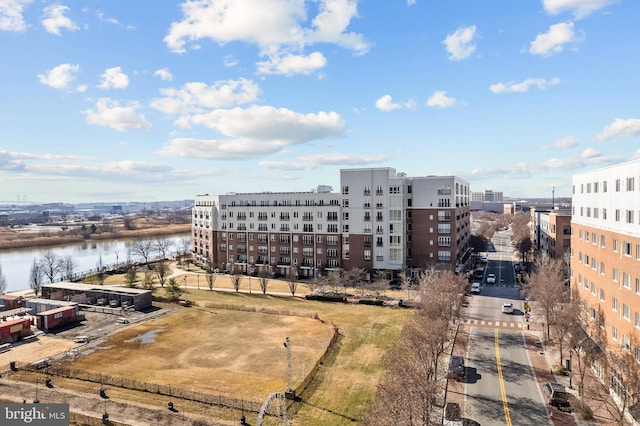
x: 232, y: 353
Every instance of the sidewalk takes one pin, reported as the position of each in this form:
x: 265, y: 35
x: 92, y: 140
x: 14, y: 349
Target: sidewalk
x: 543, y: 358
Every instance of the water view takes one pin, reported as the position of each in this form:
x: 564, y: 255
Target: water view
x: 16, y: 264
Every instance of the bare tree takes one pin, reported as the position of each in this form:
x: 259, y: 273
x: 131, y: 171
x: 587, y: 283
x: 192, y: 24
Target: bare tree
x: 263, y: 279
x: 211, y: 278
x: 162, y: 270
x: 143, y: 249
x: 162, y: 246
x: 353, y: 278
x: 3, y: 281
x: 622, y: 378
x: 235, y: 281
x: 441, y: 294
x: 185, y: 246
x: 380, y: 283
x: 35, y: 277
x: 547, y: 288
x: 292, y: 281
x: 50, y: 265
x: 127, y: 222
x: 100, y: 270
x: 68, y: 265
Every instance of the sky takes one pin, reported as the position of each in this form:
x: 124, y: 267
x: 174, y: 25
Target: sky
x: 124, y: 100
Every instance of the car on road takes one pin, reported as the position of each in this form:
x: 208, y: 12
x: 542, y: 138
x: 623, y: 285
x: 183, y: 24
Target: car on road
x: 507, y: 308
x: 484, y: 258
x: 491, y: 278
x: 475, y: 288
x: 456, y: 368
x: 556, y: 394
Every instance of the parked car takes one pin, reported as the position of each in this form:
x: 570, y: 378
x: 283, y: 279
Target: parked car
x: 484, y: 258
x: 456, y: 368
x: 475, y: 288
x: 478, y: 273
x: 556, y: 394
x: 491, y: 278
x: 516, y: 267
x: 507, y: 308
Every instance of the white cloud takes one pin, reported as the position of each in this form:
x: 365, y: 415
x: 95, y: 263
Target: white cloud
x: 411, y: 2
x: 525, y: 169
x: 580, y: 8
x: 54, y: 20
x: 164, y: 74
x: 11, y: 18
x: 590, y: 153
x: 311, y: 162
x: 292, y: 64
x: 459, y: 45
x: 385, y: 103
x: 196, y: 96
x: 277, y: 27
x: 440, y: 99
x: 566, y: 142
x: 60, y: 77
x: 554, y: 40
x: 636, y: 155
x: 253, y: 132
x: 113, y: 78
x: 523, y: 86
x: 230, y: 61
x: 620, y: 128
x: 110, y: 113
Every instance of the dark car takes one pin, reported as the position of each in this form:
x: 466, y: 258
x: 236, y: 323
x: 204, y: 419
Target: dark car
x: 456, y: 368
x: 556, y: 394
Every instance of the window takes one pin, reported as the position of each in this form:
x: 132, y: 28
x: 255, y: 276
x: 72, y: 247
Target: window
x: 444, y: 241
x: 614, y: 303
x: 602, y: 240
x: 629, y: 216
x: 626, y: 280
x: 367, y: 255
x: 626, y: 312
x: 604, y: 214
x: 615, y: 245
x: 617, y: 215
x: 626, y: 248
x: 617, y: 185
x: 614, y: 275
x: 637, y: 319
x: 604, y: 186
x: 602, y: 295
x: 630, y: 184
x: 444, y: 256
x: 637, y: 285
x: 602, y: 268
x: 614, y: 332
x: 345, y: 190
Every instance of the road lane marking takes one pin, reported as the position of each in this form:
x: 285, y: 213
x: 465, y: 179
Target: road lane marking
x: 505, y: 405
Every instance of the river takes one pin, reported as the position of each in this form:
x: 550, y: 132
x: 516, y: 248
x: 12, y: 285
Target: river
x: 16, y: 264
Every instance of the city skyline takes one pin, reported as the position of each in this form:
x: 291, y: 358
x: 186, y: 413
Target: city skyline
x: 117, y: 102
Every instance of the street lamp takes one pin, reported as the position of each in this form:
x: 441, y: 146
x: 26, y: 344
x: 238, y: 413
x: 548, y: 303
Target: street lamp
x: 570, y: 368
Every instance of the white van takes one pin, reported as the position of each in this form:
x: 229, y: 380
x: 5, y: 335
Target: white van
x: 122, y: 321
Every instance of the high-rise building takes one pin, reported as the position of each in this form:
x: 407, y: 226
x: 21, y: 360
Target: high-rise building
x: 379, y: 220
x: 487, y: 196
x: 605, y: 246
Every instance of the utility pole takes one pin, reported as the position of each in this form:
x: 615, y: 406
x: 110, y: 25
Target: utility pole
x: 289, y: 393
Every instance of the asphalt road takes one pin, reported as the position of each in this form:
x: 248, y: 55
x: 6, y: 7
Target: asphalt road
x: 500, y: 386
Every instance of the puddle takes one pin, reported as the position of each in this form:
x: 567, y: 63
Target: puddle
x: 148, y: 337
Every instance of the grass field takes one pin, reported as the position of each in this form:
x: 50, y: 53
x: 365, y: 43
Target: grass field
x: 241, y: 354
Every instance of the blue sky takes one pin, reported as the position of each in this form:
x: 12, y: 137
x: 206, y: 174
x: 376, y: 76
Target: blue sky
x: 125, y: 100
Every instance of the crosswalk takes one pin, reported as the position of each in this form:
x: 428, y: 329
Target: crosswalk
x: 483, y: 323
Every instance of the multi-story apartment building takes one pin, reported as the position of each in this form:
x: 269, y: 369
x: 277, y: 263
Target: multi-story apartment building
x: 380, y: 220
x: 605, y: 249
x: 487, y: 196
x: 551, y: 232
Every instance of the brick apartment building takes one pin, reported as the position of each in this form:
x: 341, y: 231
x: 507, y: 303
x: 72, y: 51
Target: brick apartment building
x: 380, y: 220
x: 605, y: 246
x: 551, y: 232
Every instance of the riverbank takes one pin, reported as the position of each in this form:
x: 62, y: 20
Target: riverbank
x: 11, y: 239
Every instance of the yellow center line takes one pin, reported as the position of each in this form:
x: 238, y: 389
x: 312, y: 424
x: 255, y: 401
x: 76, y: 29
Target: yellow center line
x: 505, y: 405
